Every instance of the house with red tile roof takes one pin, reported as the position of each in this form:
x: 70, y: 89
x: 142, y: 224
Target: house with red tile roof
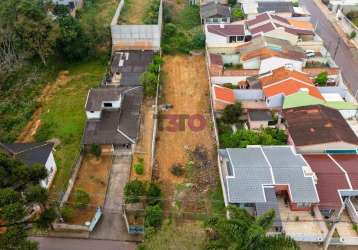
x: 271, y: 25
x: 319, y: 129
x: 336, y: 182
x: 222, y: 97
x: 284, y: 81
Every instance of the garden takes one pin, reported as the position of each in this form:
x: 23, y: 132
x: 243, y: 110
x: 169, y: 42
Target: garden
x: 89, y: 190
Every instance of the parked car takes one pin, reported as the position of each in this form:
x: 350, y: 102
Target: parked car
x: 310, y: 53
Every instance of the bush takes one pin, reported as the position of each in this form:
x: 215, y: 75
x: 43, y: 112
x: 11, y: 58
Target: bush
x: 133, y: 191
x: 67, y: 213
x: 96, y: 150
x: 153, y: 194
x: 352, y: 35
x: 153, y: 216
x: 238, y: 13
x: 44, y: 133
x: 82, y: 199
x: 355, y: 227
x: 150, y: 83
x: 139, y: 167
x: 198, y: 41
x: 232, y: 113
x: 177, y: 169
x: 151, y: 12
x: 321, y: 79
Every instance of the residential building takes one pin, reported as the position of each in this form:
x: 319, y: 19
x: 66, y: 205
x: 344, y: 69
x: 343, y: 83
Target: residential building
x: 271, y: 25
x: 283, y: 82
x: 252, y: 8
x: 222, y: 97
x: 113, y: 116
x: 259, y: 178
x: 221, y: 35
x: 31, y: 154
x: 215, y: 13
x: 259, y: 118
x: 319, y: 129
x: 337, y: 183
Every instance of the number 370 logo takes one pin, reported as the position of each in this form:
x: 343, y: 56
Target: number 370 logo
x: 179, y: 122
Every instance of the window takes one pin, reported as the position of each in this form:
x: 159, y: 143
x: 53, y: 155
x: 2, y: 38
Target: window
x: 232, y: 39
x: 239, y: 38
x: 223, y: 19
x: 215, y: 20
x: 107, y: 104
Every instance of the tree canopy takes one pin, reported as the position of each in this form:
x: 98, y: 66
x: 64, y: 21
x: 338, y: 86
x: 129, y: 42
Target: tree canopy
x: 20, y: 190
x: 245, y: 232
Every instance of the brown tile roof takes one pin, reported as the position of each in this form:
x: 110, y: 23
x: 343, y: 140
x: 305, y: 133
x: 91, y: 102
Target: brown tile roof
x: 283, y: 73
x: 258, y: 19
x: 350, y: 164
x: 223, y: 96
x: 227, y: 29
x: 312, y: 72
x: 330, y: 179
x: 216, y: 59
x: 266, y: 52
x: 317, y: 124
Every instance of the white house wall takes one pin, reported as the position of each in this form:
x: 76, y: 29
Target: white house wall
x: 251, y: 64
x: 281, y: 34
x: 212, y: 38
x: 277, y: 62
x: 234, y: 59
x: 220, y: 80
x: 51, y: 171
x: 275, y: 101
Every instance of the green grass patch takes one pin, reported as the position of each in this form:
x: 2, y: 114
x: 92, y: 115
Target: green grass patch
x: 217, y: 200
x: 64, y: 117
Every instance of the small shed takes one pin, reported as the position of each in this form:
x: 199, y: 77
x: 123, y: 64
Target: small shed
x: 259, y: 118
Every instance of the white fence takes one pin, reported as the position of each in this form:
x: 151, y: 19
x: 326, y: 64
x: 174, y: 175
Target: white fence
x: 347, y: 25
x: 136, y: 37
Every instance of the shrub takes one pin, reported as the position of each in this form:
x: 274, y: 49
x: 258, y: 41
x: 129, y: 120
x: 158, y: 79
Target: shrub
x: 177, y: 169
x: 139, y: 167
x: 352, y: 35
x: 96, y: 150
x: 150, y: 83
x: 355, y: 227
x: 232, y: 113
x: 44, y: 133
x: 321, y: 79
x: 238, y: 13
x: 67, y: 213
x: 82, y: 199
x: 151, y: 12
x: 133, y: 191
x: 198, y: 41
x: 153, y: 194
x: 153, y: 216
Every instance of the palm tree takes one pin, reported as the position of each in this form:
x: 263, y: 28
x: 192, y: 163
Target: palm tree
x: 245, y: 232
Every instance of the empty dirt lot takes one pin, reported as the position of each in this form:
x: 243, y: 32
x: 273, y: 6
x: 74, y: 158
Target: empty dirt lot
x: 185, y: 86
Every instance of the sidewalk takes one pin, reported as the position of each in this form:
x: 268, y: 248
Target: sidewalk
x: 333, y: 20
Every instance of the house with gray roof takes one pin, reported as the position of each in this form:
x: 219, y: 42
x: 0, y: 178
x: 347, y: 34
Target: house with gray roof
x: 215, y: 13
x: 113, y: 116
x: 32, y: 154
x: 252, y: 177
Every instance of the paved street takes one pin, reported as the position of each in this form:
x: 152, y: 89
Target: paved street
x: 344, y: 57
x: 112, y: 225
x: 81, y: 244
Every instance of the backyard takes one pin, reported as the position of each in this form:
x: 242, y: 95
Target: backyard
x: 139, y: 12
x: 185, y: 86
x: 92, y: 179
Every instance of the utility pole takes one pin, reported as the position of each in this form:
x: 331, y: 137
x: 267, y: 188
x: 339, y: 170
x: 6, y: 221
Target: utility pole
x: 337, y: 47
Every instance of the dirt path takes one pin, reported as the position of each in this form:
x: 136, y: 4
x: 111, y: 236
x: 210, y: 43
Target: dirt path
x: 33, y: 125
x: 144, y: 144
x: 186, y: 88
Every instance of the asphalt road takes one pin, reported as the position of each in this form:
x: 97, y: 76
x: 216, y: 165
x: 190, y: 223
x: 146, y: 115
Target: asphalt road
x: 81, y: 244
x: 344, y: 57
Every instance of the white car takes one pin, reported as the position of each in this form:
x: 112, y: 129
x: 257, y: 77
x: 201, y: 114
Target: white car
x: 310, y: 53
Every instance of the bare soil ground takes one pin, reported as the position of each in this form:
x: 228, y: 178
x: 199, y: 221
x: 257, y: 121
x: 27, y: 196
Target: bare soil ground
x: 186, y: 88
x: 144, y: 144
x: 31, y: 128
x: 133, y: 11
x: 93, y: 179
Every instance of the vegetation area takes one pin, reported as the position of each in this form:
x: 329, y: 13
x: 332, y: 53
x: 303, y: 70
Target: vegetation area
x: 182, y: 31
x: 321, y: 79
x: 353, y: 17
x: 20, y: 193
x: 34, y: 48
x: 150, y: 78
x: 151, y: 12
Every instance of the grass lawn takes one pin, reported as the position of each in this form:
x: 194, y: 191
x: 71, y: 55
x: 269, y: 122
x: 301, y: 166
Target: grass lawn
x: 64, y: 115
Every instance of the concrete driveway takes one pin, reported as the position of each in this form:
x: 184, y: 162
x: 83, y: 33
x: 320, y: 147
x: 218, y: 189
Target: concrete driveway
x: 112, y: 225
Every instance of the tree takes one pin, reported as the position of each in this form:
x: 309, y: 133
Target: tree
x: 153, y: 216
x: 19, y: 190
x: 82, y: 199
x: 150, y: 83
x: 198, y: 41
x: 139, y: 167
x: 238, y: 13
x: 243, y: 231
x: 46, y: 218
x: 232, y: 113
x: 321, y: 79
x: 352, y: 35
x: 133, y: 190
x: 153, y: 194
